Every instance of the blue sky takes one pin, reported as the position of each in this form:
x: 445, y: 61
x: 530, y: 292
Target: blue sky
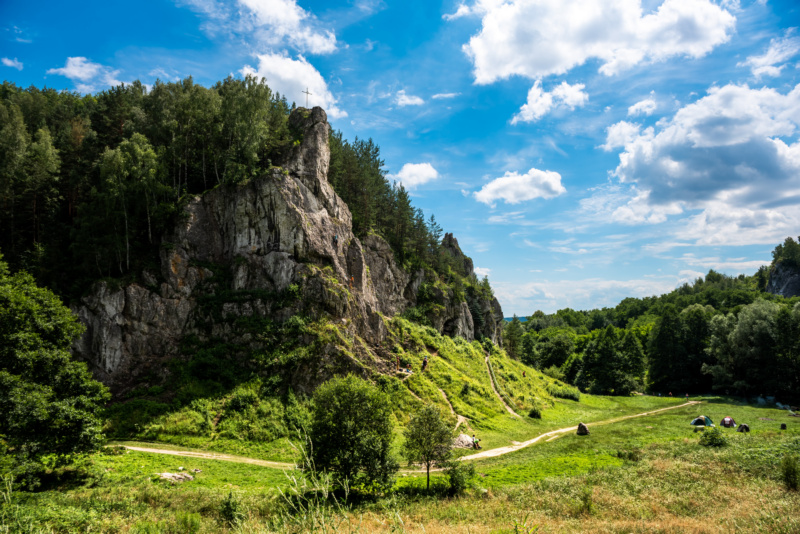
x: 581, y: 151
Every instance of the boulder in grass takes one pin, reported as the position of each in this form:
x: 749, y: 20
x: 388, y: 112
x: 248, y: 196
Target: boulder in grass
x: 583, y: 430
x: 176, y: 477
x: 463, y: 441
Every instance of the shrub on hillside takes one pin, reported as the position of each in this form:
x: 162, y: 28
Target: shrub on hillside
x: 713, y: 438
x: 351, y: 433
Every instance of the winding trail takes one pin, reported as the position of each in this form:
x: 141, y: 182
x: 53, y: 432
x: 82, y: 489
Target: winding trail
x: 553, y: 434
x: 213, y: 456
x: 491, y: 453
x: 460, y: 419
x: 497, y: 393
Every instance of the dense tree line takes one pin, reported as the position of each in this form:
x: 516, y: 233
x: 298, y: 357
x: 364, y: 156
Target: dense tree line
x: 89, y: 182
x: 720, y: 334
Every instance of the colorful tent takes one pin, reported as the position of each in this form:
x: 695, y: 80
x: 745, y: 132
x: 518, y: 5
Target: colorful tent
x: 702, y: 420
x: 728, y: 422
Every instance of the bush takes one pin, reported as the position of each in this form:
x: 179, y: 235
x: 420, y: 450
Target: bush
x: 351, y: 433
x: 242, y: 400
x: 230, y: 510
x: 790, y: 472
x: 459, y: 475
x: 535, y: 413
x: 713, y: 438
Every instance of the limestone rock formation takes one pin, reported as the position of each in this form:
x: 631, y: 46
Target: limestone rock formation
x: 273, y: 247
x: 784, y: 280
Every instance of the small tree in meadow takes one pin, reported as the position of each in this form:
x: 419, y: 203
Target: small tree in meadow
x: 429, y: 439
x: 351, y: 432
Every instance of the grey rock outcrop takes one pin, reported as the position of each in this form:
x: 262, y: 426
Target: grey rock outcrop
x: 784, y: 280
x: 276, y: 246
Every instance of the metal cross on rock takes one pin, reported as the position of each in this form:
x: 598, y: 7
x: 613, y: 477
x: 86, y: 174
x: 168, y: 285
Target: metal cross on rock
x: 306, y: 93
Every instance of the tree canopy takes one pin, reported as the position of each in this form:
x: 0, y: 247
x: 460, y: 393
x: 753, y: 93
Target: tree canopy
x: 49, y: 403
x: 351, y: 433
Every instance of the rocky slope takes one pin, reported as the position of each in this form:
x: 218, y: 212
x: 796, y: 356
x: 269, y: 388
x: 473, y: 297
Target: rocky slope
x: 784, y: 280
x: 275, y: 247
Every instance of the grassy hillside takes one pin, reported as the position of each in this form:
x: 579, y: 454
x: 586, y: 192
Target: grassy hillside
x: 252, y: 418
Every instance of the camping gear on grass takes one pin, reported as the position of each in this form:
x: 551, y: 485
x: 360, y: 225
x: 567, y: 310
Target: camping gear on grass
x: 743, y: 428
x: 728, y: 422
x: 583, y: 430
x: 702, y: 420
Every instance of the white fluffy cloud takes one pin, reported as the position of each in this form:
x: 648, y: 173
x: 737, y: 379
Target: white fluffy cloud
x: 620, y: 134
x: 537, y: 38
x: 482, y: 271
x: 643, y: 107
x: 540, y: 102
x: 87, y: 76
x: 266, y: 23
x: 732, y: 158
x: 514, y: 188
x: 13, y: 63
x: 407, y: 100
x: 415, y: 174
x: 779, y: 51
x: 291, y: 77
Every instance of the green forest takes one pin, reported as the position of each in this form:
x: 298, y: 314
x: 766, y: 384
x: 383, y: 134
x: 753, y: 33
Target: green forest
x: 720, y: 334
x: 89, y: 183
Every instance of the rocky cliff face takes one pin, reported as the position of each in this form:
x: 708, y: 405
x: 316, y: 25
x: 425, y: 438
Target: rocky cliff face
x: 277, y: 246
x: 784, y: 280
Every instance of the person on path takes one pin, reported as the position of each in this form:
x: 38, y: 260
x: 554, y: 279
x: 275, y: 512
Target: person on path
x: 687, y: 397
x: 523, y: 374
x: 670, y: 393
x: 424, y: 363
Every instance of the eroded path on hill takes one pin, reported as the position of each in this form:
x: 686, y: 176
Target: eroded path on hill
x: 497, y: 393
x: 460, y: 419
x: 491, y: 453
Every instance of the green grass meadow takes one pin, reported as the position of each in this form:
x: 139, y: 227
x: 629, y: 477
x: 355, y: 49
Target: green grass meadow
x: 638, y: 475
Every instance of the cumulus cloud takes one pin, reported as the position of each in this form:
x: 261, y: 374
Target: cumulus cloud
x: 537, y: 38
x: 291, y: 77
x: 514, y: 188
x: 482, y: 271
x: 13, y: 63
x: 415, y: 174
x: 87, y: 76
x: 540, y: 102
x: 407, y: 100
x: 643, y: 107
x: 266, y: 22
x: 779, y: 51
x: 731, y: 158
x: 620, y: 134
